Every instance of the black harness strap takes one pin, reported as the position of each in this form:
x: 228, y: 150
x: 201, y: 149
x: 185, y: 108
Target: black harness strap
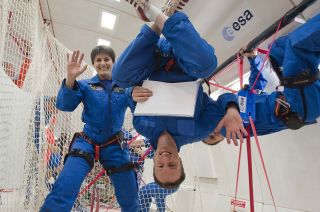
x: 282, y: 111
x: 208, y: 84
x: 90, y: 160
x: 114, y: 139
x: 79, y: 153
x: 123, y: 168
x: 305, y: 78
x: 82, y: 154
x: 304, y: 103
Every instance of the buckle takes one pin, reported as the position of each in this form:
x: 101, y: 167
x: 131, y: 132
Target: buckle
x: 282, y: 108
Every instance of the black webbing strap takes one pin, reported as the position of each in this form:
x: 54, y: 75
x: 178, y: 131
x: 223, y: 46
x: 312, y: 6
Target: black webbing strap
x: 208, y: 84
x: 282, y: 111
x: 123, y: 168
x: 302, y: 80
x: 82, y: 154
x: 305, y: 78
x: 114, y: 139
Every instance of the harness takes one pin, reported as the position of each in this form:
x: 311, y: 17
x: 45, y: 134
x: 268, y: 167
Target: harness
x: 118, y: 138
x: 282, y: 108
x: 168, y: 66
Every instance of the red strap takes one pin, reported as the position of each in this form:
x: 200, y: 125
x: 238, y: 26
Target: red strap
x: 23, y: 71
x: 262, y: 51
x: 93, y: 195
x: 220, y: 86
x: 145, y: 155
x: 98, y: 200
x: 92, y: 182
x: 262, y: 161
x: 169, y: 65
x: 240, y: 69
x: 133, y: 139
x: 238, y: 173
x: 267, y: 55
x: 250, y: 170
x: 96, y: 152
x: 103, y: 170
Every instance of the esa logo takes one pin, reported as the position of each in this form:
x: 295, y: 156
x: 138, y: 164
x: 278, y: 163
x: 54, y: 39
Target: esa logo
x: 228, y: 32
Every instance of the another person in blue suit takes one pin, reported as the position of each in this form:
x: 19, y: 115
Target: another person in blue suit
x: 103, y: 114
x: 295, y: 58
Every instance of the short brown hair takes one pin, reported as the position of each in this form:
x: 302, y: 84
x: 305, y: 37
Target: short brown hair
x: 102, y: 49
x: 171, y: 185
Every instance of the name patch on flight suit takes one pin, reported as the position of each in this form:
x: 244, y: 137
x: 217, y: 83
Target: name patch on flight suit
x: 96, y: 87
x: 118, y: 90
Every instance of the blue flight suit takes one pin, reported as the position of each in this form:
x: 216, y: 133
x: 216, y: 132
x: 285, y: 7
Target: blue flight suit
x: 194, y: 58
x: 153, y: 190
x: 103, y: 115
x: 297, y: 51
x: 255, y: 66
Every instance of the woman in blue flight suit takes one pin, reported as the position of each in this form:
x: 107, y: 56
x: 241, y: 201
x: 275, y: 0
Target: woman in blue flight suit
x: 181, y: 56
x: 103, y: 114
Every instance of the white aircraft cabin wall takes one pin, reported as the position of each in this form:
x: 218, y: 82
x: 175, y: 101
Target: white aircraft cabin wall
x: 293, y: 166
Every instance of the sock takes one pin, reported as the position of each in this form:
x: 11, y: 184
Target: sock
x: 152, y: 12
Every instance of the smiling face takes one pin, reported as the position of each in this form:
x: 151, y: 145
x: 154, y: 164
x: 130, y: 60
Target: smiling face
x: 167, y: 163
x: 103, y: 64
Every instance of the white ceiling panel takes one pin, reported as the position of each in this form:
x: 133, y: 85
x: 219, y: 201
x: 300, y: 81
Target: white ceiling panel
x: 76, y: 23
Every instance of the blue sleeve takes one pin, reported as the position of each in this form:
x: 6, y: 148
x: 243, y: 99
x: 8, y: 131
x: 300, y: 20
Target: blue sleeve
x: 137, y: 62
x: 307, y: 36
x: 131, y: 104
x: 68, y: 99
x: 225, y: 99
x: 303, y: 48
x: 194, y: 54
x: 255, y: 66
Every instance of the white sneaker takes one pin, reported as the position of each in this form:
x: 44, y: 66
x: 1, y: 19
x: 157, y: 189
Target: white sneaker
x: 172, y: 6
x: 141, y: 6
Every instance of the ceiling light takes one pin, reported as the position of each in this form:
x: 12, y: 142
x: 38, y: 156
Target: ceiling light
x: 103, y: 42
x: 108, y: 20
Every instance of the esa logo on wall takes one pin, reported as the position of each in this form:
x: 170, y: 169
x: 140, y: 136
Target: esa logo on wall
x: 229, y: 32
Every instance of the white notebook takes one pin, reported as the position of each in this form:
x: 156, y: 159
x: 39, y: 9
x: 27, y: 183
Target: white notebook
x: 169, y: 99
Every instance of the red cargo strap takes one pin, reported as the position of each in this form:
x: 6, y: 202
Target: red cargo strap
x: 250, y: 170
x: 238, y: 173
x: 96, y: 152
x: 262, y: 161
x: 250, y: 167
x: 267, y: 54
x: 240, y: 69
x: 169, y: 65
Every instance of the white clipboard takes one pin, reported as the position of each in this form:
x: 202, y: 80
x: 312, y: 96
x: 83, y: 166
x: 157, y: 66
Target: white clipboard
x: 169, y: 99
